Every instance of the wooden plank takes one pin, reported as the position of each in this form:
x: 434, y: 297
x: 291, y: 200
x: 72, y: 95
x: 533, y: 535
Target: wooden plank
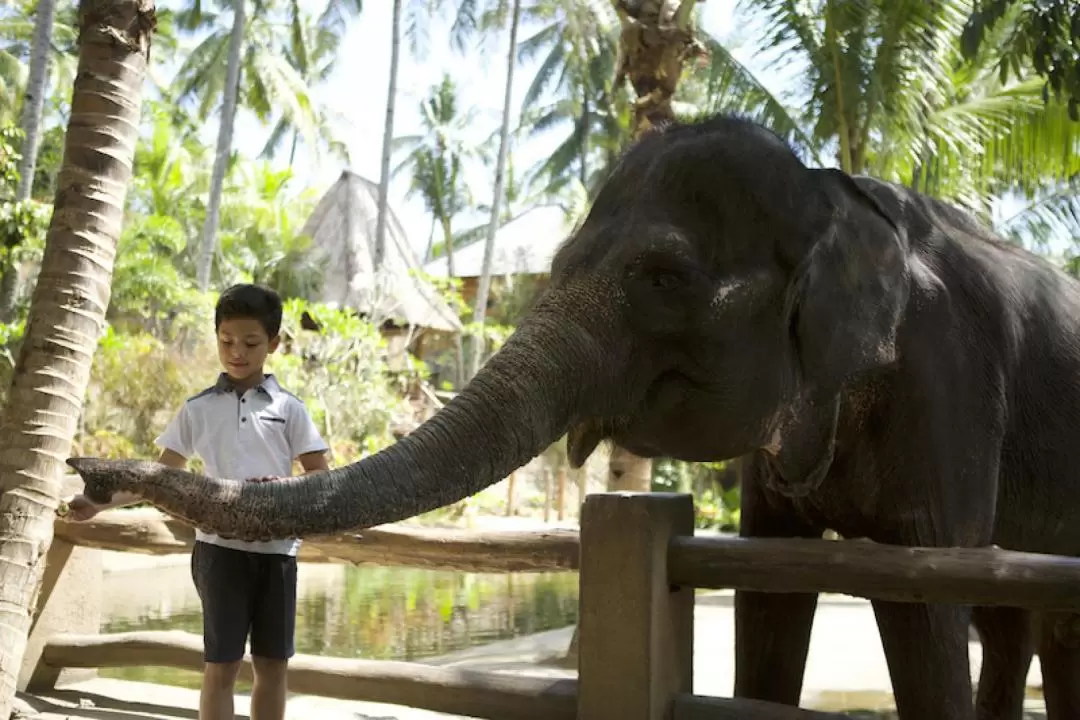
x: 982, y: 576
x: 637, y: 631
x: 147, y: 530
x: 699, y: 707
x: 441, y: 689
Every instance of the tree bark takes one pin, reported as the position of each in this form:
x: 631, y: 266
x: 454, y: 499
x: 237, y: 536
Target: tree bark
x: 484, y: 286
x: 656, y: 40
x: 208, y: 242
x: 388, y: 139
x: 68, y: 306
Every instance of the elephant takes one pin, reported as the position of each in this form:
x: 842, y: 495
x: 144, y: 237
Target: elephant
x: 891, y: 369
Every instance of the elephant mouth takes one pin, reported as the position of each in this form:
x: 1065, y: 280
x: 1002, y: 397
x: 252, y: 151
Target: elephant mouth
x: 582, y: 439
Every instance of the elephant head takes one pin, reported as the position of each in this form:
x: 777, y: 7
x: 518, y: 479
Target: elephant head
x: 715, y: 301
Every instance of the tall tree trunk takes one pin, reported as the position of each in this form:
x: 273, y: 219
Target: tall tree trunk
x: 459, y: 346
x: 67, y: 309
x: 34, y: 98
x: 208, y: 242
x: 484, y: 286
x: 656, y: 40
x: 32, y: 109
x: 388, y: 138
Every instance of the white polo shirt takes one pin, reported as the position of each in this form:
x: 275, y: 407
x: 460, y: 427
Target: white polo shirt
x: 254, y: 434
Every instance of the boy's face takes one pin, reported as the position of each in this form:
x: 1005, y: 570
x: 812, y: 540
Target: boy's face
x: 243, y: 346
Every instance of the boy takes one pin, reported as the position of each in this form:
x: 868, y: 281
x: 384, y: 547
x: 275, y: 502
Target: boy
x: 245, y: 426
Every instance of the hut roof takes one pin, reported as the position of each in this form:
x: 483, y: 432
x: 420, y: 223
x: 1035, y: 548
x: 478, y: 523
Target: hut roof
x: 342, y: 231
x: 523, y: 246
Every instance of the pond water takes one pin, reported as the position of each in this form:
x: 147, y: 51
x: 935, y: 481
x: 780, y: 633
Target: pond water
x: 383, y: 613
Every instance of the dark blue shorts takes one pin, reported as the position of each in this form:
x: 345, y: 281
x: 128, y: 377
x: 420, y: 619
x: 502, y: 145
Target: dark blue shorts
x: 241, y: 593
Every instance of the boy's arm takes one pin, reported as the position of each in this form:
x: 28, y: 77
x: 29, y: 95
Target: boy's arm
x: 307, y: 444
x: 314, y: 462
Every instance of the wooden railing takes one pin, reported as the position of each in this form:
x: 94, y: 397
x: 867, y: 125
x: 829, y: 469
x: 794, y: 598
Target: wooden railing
x: 639, y: 563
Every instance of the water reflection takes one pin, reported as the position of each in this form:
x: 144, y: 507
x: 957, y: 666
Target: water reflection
x: 370, y: 612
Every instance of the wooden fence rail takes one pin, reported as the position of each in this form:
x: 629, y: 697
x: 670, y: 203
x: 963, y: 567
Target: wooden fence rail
x: 151, y: 532
x: 639, y: 563
x: 976, y: 576
x: 440, y: 689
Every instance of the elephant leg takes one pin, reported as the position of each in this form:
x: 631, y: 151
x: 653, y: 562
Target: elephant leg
x: 772, y: 630
x: 1007, y: 647
x: 1059, y: 656
x: 772, y: 638
x: 927, y: 653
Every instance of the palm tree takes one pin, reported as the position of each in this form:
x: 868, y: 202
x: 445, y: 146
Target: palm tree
x: 68, y: 307
x: 436, y: 159
x: 891, y: 93
x: 253, y: 48
x: 578, y: 43
x: 388, y: 137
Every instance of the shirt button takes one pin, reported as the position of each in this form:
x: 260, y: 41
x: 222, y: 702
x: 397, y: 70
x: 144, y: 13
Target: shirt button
x: 243, y: 399
x: 243, y: 419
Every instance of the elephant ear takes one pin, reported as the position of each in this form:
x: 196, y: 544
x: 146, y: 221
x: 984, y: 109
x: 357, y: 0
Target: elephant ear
x: 845, y: 305
x: 851, y: 288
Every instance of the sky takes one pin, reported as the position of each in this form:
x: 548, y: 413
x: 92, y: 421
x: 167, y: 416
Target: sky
x: 358, y: 91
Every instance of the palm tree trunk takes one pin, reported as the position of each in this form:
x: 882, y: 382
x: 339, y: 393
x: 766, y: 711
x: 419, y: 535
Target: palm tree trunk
x: 68, y: 306
x: 484, y: 286
x: 34, y: 98
x: 656, y: 41
x: 459, y: 346
x: 208, y: 243
x: 388, y: 138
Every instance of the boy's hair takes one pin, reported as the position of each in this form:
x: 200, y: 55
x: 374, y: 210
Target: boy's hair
x: 250, y: 301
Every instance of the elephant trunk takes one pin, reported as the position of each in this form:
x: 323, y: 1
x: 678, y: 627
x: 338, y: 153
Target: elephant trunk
x: 517, y: 405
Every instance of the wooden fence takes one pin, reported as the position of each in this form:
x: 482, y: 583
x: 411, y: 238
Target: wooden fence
x: 639, y: 563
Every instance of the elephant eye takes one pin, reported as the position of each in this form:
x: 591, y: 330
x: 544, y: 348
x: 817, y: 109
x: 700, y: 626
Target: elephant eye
x: 665, y: 280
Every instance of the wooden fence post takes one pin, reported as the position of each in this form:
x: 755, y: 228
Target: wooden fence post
x: 636, y: 649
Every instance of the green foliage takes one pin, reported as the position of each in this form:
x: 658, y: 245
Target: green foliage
x: 714, y: 507
x: 1045, y: 34
x: 139, y: 381
x: 341, y: 374
x: 20, y: 222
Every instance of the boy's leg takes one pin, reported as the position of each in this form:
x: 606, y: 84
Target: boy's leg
x: 224, y: 579
x: 273, y: 626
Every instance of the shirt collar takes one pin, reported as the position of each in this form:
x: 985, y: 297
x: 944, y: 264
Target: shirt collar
x: 269, y: 385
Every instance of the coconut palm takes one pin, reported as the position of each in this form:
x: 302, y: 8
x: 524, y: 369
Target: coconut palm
x: 68, y: 307
x: 436, y: 159
x: 891, y: 93
x: 254, y: 49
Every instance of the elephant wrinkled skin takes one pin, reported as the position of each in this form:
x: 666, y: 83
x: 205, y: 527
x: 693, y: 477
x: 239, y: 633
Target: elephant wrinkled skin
x: 896, y: 372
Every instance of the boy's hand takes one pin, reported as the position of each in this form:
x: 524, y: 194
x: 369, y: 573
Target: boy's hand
x: 80, y: 508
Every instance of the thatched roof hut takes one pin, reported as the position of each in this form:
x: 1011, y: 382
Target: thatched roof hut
x: 342, y: 231
x: 523, y: 246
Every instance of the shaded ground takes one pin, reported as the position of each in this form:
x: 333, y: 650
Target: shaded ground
x: 846, y: 671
